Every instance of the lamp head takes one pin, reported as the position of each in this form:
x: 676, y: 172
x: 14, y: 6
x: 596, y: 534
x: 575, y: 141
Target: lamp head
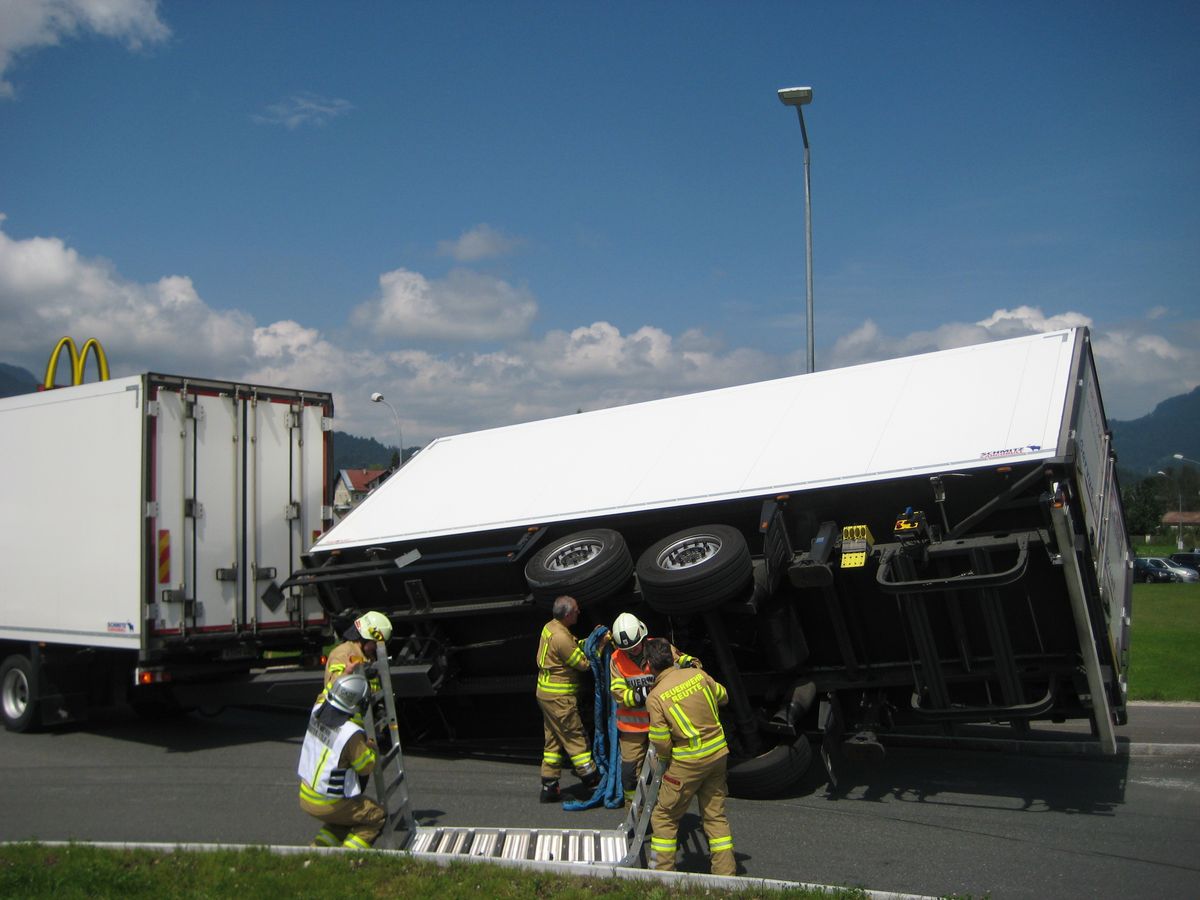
x: 376, y: 397
x: 1177, y: 455
x: 795, y: 96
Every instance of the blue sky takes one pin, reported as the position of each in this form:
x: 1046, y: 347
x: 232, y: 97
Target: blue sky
x: 493, y: 212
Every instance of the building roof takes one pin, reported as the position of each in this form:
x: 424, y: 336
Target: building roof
x: 1186, y: 518
x: 360, y: 479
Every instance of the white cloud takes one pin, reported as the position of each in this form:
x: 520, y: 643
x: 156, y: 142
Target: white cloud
x: 26, y: 25
x: 463, y: 306
x: 48, y: 289
x: 478, y: 243
x: 303, y: 109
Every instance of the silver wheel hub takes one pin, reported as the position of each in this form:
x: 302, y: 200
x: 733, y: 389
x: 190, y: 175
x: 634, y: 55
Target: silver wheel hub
x: 15, y: 693
x: 691, y: 551
x: 573, y: 555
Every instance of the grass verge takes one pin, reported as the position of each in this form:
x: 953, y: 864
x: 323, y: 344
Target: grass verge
x: 1165, y: 642
x: 80, y: 871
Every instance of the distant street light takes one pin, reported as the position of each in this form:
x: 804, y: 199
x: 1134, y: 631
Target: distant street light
x: 1179, y: 525
x: 799, y: 97
x: 378, y: 398
x: 1185, y: 459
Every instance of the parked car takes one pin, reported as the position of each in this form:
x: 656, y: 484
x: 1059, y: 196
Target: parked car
x: 1187, y: 560
x: 1155, y: 568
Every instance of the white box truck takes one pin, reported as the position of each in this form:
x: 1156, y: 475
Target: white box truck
x: 146, y: 524
x: 913, y: 544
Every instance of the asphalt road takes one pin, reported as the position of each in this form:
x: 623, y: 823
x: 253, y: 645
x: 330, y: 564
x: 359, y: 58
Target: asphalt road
x: 927, y: 821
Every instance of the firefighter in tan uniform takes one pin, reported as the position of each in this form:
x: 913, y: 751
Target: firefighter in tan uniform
x: 560, y: 662
x: 335, y: 759
x: 630, y: 680
x: 686, y: 730
x: 357, y: 647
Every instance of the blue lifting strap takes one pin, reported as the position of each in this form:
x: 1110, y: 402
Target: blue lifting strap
x: 606, y: 750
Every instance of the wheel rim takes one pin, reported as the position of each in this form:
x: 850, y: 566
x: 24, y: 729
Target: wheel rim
x: 692, y: 551
x: 574, y: 554
x: 15, y: 692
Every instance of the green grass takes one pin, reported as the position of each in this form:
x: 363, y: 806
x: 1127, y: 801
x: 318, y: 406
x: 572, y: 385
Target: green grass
x: 1164, y: 646
x: 79, y: 871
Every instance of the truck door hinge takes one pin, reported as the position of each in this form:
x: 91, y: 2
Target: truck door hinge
x: 152, y: 409
x: 326, y: 423
x: 291, y: 511
x: 193, y: 508
x: 152, y: 509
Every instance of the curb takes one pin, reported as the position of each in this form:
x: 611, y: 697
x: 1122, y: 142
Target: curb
x: 1045, y: 747
x: 727, y: 883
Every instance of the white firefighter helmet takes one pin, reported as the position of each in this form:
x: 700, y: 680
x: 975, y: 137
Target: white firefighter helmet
x: 373, y: 626
x: 628, y: 631
x: 348, y: 692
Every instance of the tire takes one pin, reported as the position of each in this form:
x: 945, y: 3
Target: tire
x: 18, y: 694
x: 767, y: 776
x: 588, y: 565
x: 695, y: 570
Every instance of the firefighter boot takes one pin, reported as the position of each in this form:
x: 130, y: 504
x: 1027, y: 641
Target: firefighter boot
x: 591, y: 779
x: 550, y: 792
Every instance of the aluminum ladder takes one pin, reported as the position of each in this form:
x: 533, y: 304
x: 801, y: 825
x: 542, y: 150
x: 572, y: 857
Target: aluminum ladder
x: 587, y: 846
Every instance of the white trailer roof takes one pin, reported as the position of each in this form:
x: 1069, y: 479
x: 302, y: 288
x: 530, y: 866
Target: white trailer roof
x: 955, y: 409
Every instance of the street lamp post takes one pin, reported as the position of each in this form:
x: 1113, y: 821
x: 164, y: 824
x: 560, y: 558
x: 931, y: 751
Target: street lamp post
x: 1179, y: 524
x: 799, y: 97
x: 378, y: 398
x: 1182, y: 458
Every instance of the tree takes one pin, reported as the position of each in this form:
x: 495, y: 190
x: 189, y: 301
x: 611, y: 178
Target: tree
x: 1144, y: 506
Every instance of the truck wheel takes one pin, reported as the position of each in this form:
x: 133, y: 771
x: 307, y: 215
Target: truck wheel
x: 18, y: 697
x: 694, y: 571
x: 588, y: 565
x: 767, y: 776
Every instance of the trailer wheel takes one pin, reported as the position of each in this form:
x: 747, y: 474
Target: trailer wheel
x: 18, y: 695
x: 767, y: 776
x: 588, y: 565
x: 695, y: 570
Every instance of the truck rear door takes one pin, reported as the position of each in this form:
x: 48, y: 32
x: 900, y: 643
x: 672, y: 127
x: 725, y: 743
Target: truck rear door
x: 238, y: 484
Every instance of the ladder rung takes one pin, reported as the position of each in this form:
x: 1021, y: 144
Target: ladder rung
x: 516, y: 845
x: 548, y: 846
x: 485, y: 842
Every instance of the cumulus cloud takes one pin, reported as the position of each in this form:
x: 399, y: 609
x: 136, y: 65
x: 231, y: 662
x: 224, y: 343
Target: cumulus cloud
x: 26, y: 25
x: 479, y: 243
x: 463, y: 306
x: 303, y: 109
x: 49, y: 289
x: 868, y: 343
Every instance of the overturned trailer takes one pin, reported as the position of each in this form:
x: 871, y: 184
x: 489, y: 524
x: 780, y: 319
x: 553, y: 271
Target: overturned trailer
x: 917, y: 543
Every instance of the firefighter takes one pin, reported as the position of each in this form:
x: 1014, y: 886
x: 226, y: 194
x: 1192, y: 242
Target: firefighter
x: 357, y: 647
x: 335, y: 760
x: 686, y: 730
x: 630, y: 681
x: 560, y: 661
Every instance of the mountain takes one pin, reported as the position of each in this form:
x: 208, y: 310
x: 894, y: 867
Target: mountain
x: 352, y: 452
x: 15, y: 380
x: 1147, y: 444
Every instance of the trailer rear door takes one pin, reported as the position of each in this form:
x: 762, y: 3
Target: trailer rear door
x: 239, y: 488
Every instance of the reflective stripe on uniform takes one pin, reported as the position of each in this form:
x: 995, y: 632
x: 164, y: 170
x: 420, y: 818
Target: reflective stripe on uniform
x: 716, y: 845
x: 663, y: 845
x: 363, y: 760
x: 553, y: 759
x: 699, y: 750
x: 354, y: 842
x: 325, y: 838
x: 550, y: 686
x: 307, y: 793
x: 582, y: 759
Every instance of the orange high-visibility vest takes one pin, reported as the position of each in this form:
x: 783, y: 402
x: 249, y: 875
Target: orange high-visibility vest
x: 632, y: 718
